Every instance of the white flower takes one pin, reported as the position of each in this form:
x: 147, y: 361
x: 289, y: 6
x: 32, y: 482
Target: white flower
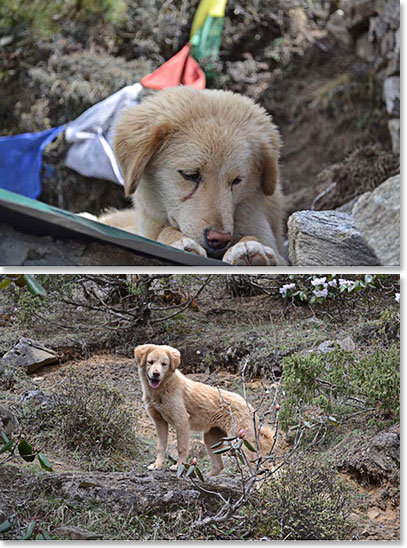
x: 333, y: 283
x: 318, y: 281
x: 345, y: 283
x: 322, y: 293
x: 397, y: 297
x: 283, y: 290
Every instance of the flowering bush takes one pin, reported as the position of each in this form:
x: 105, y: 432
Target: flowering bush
x: 312, y: 289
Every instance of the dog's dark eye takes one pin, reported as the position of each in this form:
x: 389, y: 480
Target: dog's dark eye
x: 150, y: 362
x: 164, y: 364
x: 236, y: 181
x: 194, y: 177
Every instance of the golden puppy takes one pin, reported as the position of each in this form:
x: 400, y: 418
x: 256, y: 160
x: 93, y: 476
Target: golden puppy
x: 172, y: 398
x: 202, y: 169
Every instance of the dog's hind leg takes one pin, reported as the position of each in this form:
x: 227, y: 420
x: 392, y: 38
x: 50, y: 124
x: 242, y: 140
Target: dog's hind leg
x: 210, y: 438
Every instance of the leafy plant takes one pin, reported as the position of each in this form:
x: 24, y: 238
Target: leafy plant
x: 19, y: 446
x: 324, y: 390
x: 23, y: 280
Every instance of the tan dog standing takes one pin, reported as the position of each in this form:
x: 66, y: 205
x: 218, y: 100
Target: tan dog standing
x: 202, y: 169
x: 171, y: 398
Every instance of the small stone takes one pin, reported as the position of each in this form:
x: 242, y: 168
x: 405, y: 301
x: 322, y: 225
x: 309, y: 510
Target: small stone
x: 391, y: 95
x: 325, y: 347
x: 365, y: 49
x: 394, y: 130
x: 75, y: 533
x: 347, y: 344
x: 373, y: 513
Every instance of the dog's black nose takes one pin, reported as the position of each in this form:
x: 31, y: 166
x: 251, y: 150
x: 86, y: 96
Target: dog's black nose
x: 217, y: 239
x: 156, y: 375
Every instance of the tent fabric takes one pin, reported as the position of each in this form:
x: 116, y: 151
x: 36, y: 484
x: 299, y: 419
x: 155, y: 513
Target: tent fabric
x: 21, y: 161
x: 92, y: 134
x: 182, y: 68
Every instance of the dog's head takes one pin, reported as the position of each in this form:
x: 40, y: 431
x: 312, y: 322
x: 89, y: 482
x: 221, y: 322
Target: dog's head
x: 199, y: 154
x: 156, y: 362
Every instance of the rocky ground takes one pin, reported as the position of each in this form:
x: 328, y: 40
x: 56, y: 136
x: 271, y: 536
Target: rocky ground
x: 328, y: 72
x: 101, y: 488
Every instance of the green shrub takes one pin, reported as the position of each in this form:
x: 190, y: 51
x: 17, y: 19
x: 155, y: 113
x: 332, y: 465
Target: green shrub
x: 326, y: 389
x: 92, y: 417
x: 307, y: 503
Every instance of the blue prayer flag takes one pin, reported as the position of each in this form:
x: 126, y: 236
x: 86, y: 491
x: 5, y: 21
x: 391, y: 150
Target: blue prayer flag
x: 21, y: 161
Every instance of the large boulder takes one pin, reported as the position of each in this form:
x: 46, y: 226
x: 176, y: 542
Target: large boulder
x: 372, y: 459
x: 327, y: 238
x: 377, y: 216
x: 29, y: 355
x: 139, y: 493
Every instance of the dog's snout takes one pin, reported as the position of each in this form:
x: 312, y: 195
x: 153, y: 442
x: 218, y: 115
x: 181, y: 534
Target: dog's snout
x: 217, y: 239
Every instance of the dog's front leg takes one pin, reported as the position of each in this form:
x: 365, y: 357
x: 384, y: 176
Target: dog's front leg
x: 182, y: 430
x: 175, y: 238
x: 161, y: 427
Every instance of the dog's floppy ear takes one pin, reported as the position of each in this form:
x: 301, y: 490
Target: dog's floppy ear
x: 269, y: 175
x: 139, y: 134
x: 141, y: 353
x: 175, y: 357
x: 269, y: 154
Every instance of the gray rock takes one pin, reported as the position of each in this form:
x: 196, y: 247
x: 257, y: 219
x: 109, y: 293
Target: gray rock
x: 326, y: 347
x: 71, y: 532
x: 377, y: 216
x: 365, y: 49
x: 391, y: 94
x: 393, y: 66
x: 336, y: 26
x: 29, y: 355
x: 394, y: 129
x: 139, y: 493
x: 347, y: 344
x: 373, y: 459
x: 327, y: 238
x: 8, y: 421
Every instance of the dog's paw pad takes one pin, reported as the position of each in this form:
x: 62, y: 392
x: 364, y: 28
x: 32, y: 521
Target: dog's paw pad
x: 187, y: 244
x: 250, y: 253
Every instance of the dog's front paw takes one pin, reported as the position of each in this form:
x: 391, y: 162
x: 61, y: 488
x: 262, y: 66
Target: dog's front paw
x: 250, y: 252
x: 155, y: 466
x: 174, y: 467
x: 187, y: 244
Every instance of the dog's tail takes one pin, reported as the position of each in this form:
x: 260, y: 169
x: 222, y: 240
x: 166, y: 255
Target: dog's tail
x: 266, y: 440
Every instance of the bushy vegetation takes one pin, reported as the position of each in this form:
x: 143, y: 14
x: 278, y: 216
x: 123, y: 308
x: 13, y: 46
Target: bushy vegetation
x: 92, y: 417
x: 306, y: 502
x: 324, y: 390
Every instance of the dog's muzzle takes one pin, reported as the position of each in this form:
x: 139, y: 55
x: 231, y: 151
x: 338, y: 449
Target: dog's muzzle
x: 154, y: 381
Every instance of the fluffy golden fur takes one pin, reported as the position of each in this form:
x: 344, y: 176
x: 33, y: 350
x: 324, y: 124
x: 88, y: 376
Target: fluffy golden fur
x: 202, y: 169
x: 171, y: 398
